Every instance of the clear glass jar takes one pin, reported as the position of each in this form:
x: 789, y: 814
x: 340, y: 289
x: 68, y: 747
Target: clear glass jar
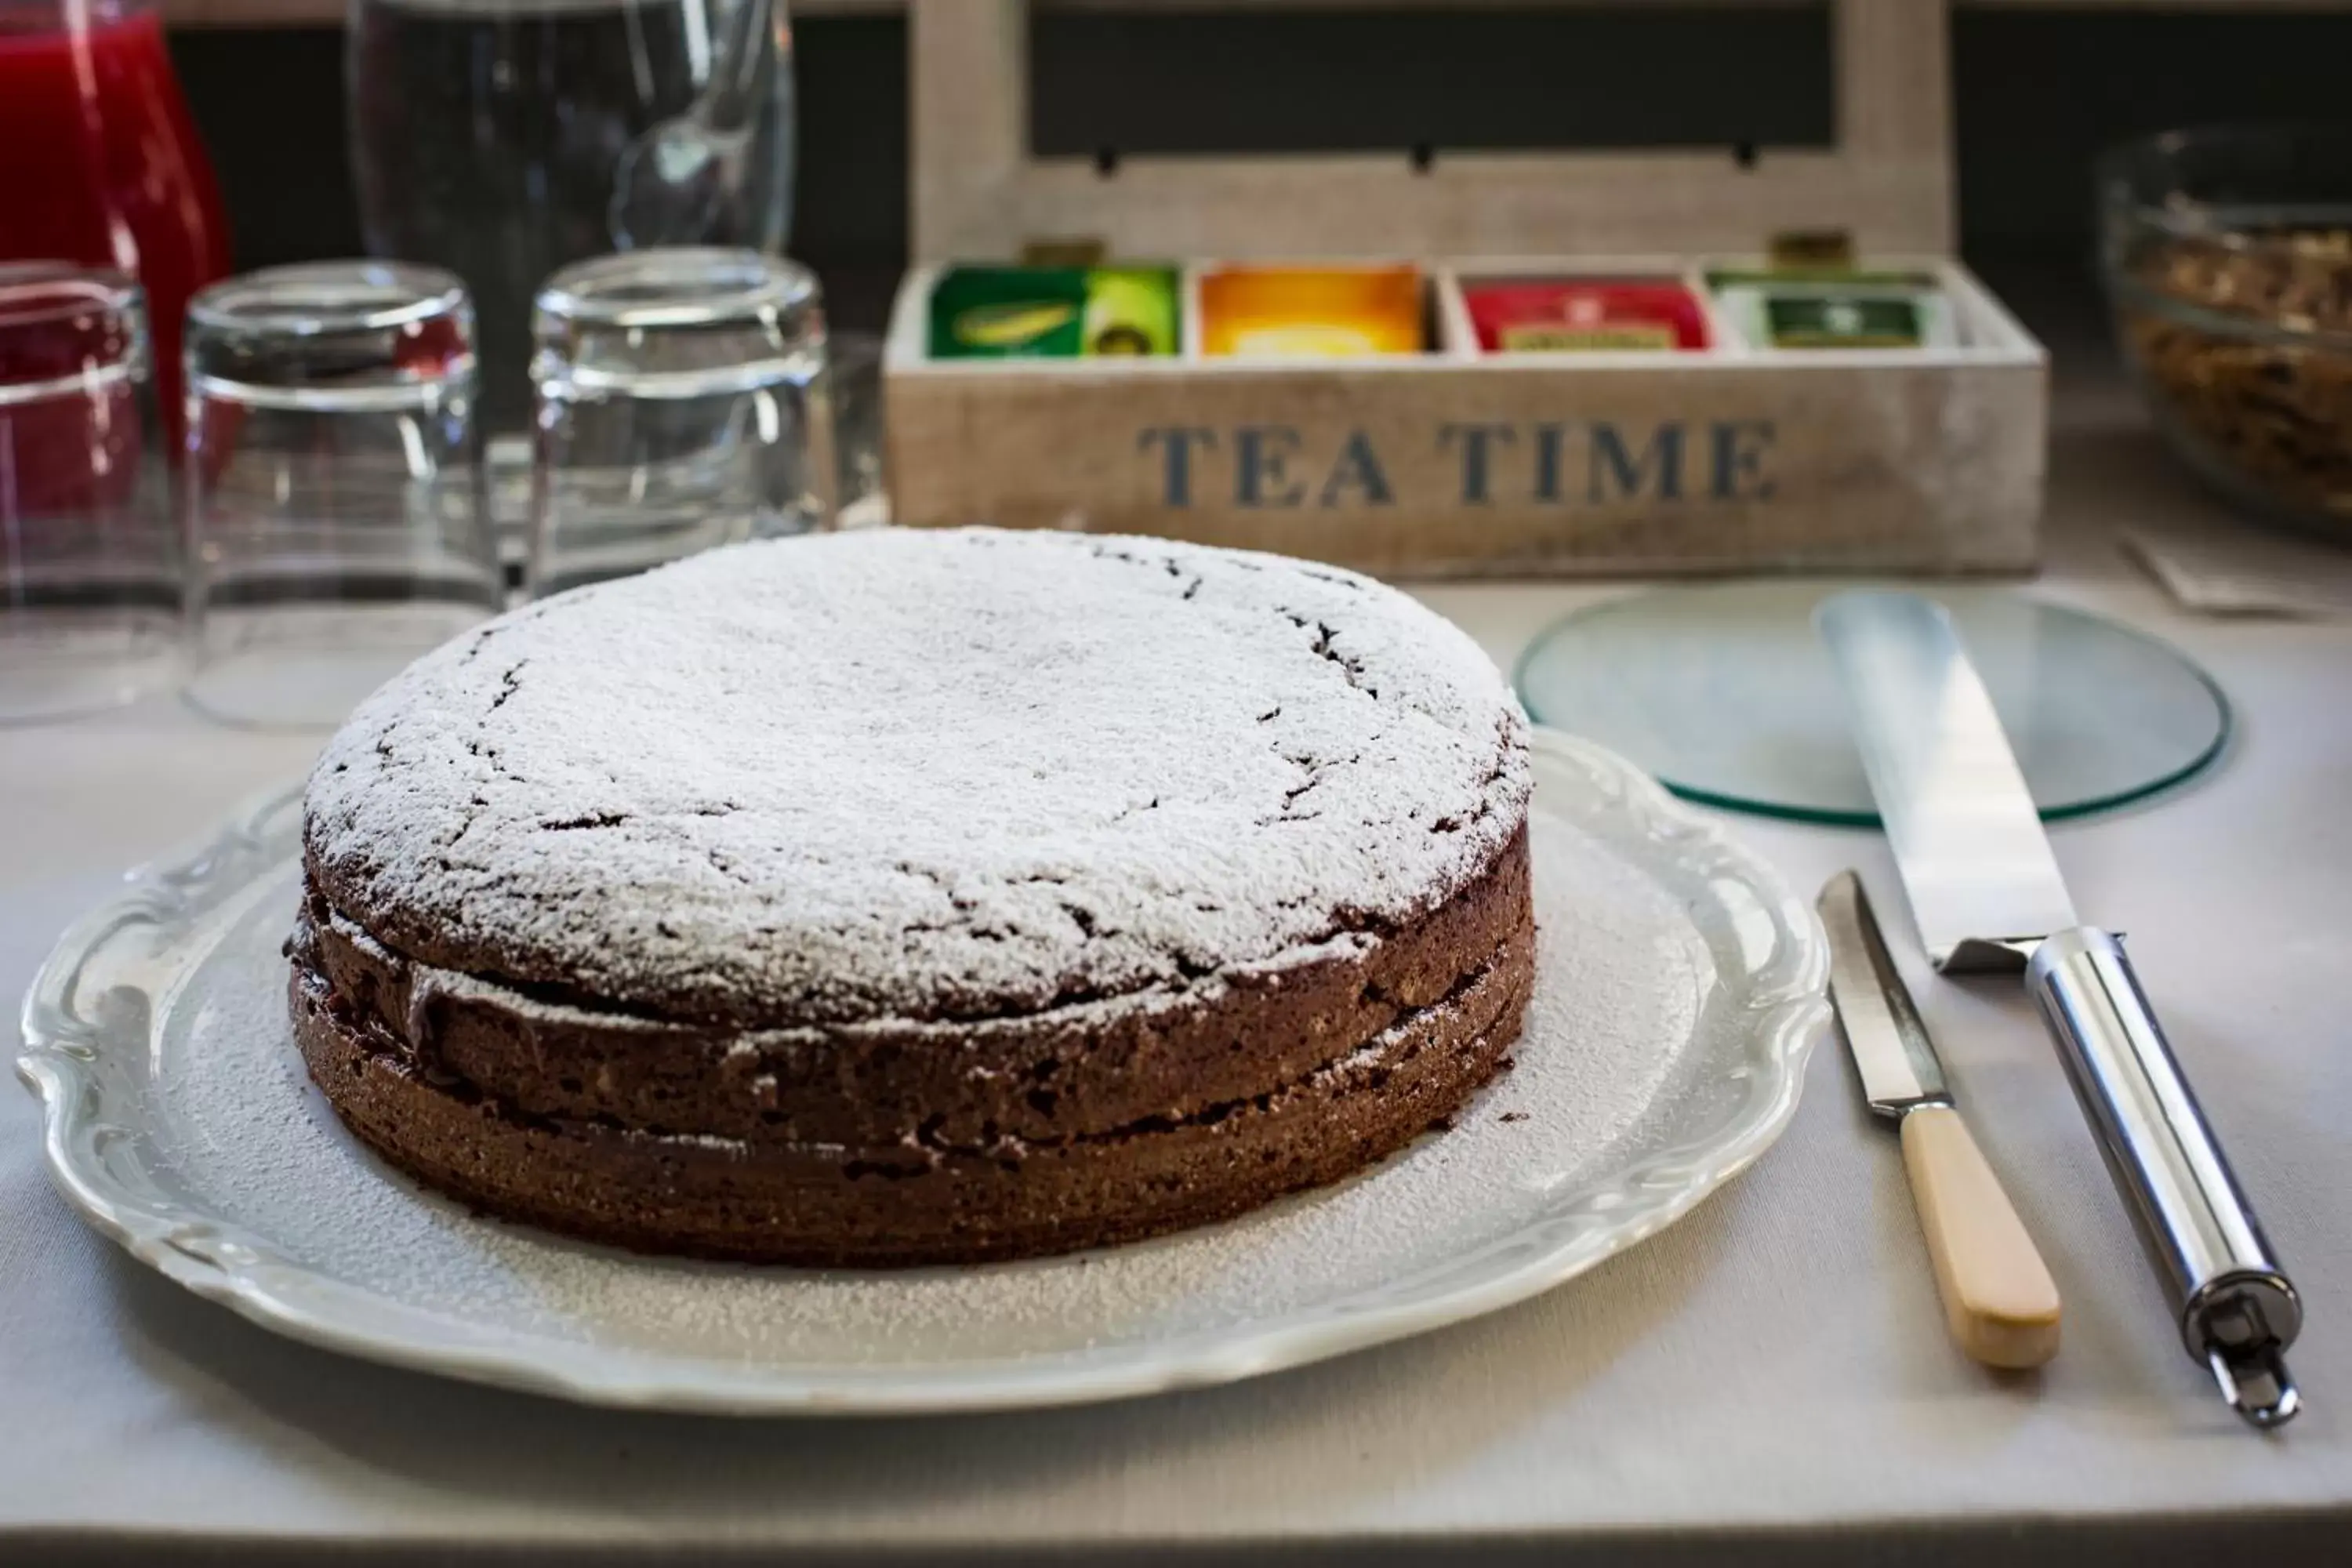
x: 2228, y: 259
x: 505, y: 139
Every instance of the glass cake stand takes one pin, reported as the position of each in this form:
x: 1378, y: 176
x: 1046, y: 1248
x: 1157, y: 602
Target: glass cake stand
x: 1725, y: 694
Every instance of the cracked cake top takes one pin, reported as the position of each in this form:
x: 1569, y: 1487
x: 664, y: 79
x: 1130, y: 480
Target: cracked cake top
x: 908, y: 774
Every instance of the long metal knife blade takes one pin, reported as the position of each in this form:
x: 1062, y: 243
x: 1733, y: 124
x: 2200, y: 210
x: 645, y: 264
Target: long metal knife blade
x: 1984, y: 885
x: 1890, y: 1045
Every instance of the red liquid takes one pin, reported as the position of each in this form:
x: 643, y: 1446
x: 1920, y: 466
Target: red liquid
x: 69, y: 438
x: 99, y: 163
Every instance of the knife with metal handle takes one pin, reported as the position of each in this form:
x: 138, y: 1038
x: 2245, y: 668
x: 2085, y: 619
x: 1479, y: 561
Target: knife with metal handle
x: 1985, y: 891
x: 1999, y: 1297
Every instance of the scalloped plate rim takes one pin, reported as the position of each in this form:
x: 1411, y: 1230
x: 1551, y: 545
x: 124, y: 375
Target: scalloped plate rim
x: 1788, y: 1021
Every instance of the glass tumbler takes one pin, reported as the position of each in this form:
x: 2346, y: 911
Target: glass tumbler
x: 334, y: 485
x: 89, y: 554
x: 853, y: 370
x: 682, y: 403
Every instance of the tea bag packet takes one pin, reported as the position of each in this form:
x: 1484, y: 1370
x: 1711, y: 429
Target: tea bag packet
x: 1130, y: 311
x: 1260, y: 312
x: 1053, y: 312
x: 1005, y: 312
x: 1566, y: 315
x: 1837, y: 310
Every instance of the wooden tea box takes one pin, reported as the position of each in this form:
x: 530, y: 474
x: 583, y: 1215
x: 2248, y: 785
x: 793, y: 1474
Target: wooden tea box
x: 1466, y: 459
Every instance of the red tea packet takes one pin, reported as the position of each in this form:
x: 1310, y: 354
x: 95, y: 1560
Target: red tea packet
x: 1551, y: 315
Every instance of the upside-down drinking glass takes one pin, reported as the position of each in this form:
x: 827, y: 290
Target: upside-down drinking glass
x: 90, y: 558
x: 334, y: 486
x: 683, y: 402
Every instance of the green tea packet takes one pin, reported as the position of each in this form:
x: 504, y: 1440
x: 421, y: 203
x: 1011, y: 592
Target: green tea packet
x: 1831, y: 309
x: 1130, y: 311
x: 1008, y: 312
x: 1053, y: 312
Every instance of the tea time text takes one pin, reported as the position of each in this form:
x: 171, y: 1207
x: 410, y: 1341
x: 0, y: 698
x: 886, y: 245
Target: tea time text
x: 1563, y: 463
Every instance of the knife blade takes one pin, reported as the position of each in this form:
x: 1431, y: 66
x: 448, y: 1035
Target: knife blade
x: 1891, y: 1050
x: 1999, y: 1298
x: 1986, y: 890
x: 1983, y: 883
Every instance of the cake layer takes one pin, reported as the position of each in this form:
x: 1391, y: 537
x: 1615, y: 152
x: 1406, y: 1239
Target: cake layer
x: 900, y: 775
x: 917, y: 1201
x: 1066, y: 1071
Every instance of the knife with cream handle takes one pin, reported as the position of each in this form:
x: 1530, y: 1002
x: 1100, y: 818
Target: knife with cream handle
x: 1999, y: 1297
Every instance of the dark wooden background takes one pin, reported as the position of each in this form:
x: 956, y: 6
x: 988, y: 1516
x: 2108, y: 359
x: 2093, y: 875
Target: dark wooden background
x: 2036, y: 93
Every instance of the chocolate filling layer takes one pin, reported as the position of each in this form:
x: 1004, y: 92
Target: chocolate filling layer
x: 1041, y: 1077
x: 919, y: 1200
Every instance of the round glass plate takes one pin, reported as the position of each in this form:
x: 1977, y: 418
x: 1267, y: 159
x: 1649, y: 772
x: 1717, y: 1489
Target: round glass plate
x: 1725, y: 694
x: 1678, y: 991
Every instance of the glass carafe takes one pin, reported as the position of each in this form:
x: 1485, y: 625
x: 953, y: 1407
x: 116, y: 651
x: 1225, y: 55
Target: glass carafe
x: 504, y: 138
x: 100, y: 163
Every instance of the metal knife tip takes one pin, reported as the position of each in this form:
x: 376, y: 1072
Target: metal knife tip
x: 2257, y: 1385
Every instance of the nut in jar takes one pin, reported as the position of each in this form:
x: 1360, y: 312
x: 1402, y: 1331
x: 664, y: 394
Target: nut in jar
x: 2227, y: 255
x: 2245, y: 343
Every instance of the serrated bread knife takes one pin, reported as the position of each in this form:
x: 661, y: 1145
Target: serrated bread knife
x: 1987, y: 894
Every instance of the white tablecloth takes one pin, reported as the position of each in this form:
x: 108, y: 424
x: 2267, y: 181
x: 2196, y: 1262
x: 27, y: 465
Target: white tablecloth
x: 1775, y: 1363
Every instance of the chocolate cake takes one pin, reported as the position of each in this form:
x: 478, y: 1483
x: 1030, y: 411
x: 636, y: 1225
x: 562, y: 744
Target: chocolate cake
x: 909, y: 897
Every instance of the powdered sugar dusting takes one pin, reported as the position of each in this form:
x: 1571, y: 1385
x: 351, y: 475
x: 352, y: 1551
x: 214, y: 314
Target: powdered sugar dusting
x: 927, y: 775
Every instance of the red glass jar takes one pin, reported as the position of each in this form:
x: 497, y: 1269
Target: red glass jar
x: 100, y: 161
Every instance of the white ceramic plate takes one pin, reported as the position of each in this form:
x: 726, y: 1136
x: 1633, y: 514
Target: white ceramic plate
x: 1678, y: 993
